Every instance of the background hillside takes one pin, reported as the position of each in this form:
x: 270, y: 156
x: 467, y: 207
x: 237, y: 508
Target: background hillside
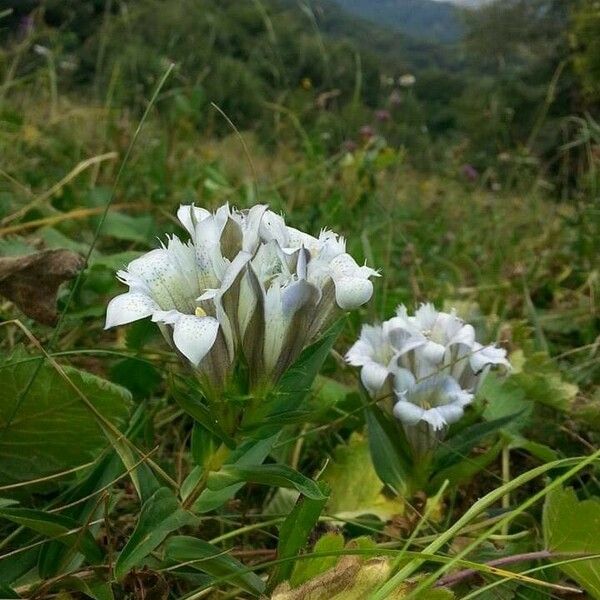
x: 427, y: 19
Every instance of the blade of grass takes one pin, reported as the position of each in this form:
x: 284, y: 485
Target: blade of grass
x: 477, y: 508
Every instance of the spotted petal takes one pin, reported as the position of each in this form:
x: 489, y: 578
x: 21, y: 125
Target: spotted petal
x: 127, y: 308
x: 352, y: 292
x: 195, y: 336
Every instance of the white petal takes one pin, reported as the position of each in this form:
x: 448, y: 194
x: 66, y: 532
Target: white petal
x: 451, y: 413
x: 233, y: 270
x: 404, y: 380
x: 297, y: 239
x: 344, y: 265
x: 373, y: 376
x: 404, y: 340
x: 301, y: 265
x: 462, y: 397
x: 426, y: 316
x: 272, y: 227
x: 251, y: 227
x: 189, y: 215
x: 127, y: 308
x: 408, y: 413
x: 195, y: 336
x: 433, y: 353
x: 352, y: 292
x: 165, y: 279
x: 297, y: 295
x: 465, y: 335
x: 360, y: 353
x: 487, y: 355
x: 435, y: 419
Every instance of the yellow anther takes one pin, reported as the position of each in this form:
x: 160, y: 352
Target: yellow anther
x: 200, y: 312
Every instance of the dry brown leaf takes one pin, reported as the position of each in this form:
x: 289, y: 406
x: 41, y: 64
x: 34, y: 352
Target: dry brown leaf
x: 32, y: 281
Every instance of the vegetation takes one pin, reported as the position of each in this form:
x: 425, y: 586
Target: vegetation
x: 467, y: 174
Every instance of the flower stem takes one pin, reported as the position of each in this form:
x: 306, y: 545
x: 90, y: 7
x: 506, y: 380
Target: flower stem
x: 215, y: 463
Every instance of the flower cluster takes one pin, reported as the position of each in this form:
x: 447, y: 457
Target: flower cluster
x: 430, y: 364
x: 245, y: 284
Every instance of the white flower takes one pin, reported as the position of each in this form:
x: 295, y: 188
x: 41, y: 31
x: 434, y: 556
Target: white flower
x: 295, y: 285
x: 164, y: 284
x: 426, y: 410
x: 374, y: 352
x: 327, y: 262
x: 438, y: 401
x: 433, y: 364
x: 246, y: 283
x: 447, y: 344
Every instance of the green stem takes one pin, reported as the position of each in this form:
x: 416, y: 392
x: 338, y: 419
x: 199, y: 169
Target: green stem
x: 217, y: 460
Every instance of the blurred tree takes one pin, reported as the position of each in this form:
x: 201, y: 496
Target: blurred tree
x: 586, y: 45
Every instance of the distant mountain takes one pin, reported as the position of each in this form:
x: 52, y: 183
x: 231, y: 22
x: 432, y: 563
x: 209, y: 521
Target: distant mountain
x: 468, y: 3
x: 433, y: 20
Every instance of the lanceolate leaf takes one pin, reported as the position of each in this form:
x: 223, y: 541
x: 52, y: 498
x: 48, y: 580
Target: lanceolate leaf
x: 212, y: 560
x: 65, y: 530
x: 300, y: 376
x: 456, y: 448
x: 161, y: 514
x: 295, y: 530
x: 276, y: 475
x: 465, y: 470
x: 389, y: 457
x: 202, y: 415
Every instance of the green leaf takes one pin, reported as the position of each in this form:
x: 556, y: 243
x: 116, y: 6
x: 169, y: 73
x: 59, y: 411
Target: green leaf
x: 541, y: 381
x: 140, y: 378
x: 465, y: 470
x: 57, y: 527
x: 160, y: 515
x: 93, y: 588
x: 506, y: 397
x: 390, y: 459
x: 204, y: 444
x: 456, y: 448
x: 298, y: 379
x: 52, y: 422
x: 571, y: 525
x: 212, y: 560
x: 349, y: 500
x: 275, y: 475
x: 294, y: 532
x: 250, y: 452
x: 541, y: 451
x: 199, y: 412
x: 306, y: 570
x: 327, y: 393
x: 126, y: 227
